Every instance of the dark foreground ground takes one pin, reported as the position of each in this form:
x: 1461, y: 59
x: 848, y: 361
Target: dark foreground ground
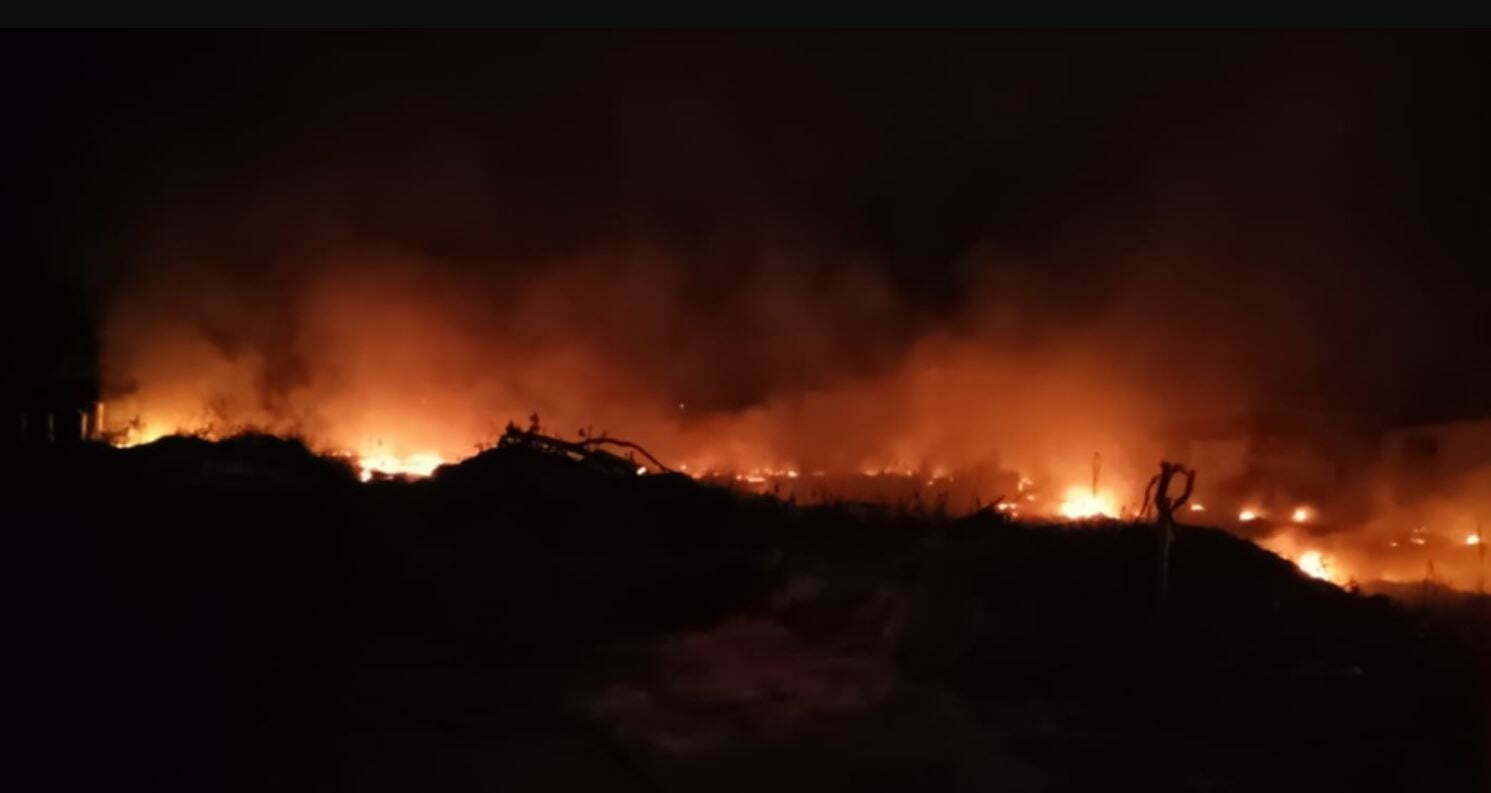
x: 243, y: 615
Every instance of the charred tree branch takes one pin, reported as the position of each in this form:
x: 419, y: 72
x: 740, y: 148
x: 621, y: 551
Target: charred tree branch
x: 586, y: 448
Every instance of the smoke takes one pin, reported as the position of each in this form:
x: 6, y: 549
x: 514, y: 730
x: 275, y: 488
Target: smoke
x: 1428, y: 525
x: 749, y: 253
x: 405, y: 353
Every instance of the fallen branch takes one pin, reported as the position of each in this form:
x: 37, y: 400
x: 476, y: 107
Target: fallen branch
x: 583, y: 449
x: 628, y: 445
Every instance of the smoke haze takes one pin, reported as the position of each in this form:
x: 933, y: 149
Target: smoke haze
x: 809, y: 251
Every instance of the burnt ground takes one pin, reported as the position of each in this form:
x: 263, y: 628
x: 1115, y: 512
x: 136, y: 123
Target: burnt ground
x: 245, y: 615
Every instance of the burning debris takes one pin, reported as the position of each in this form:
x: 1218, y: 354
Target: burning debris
x: 888, y: 310
x: 806, y: 629
x: 376, y: 464
x: 1314, y: 564
x: 1080, y: 504
x: 949, y: 421
x: 1302, y: 537
x: 588, y: 450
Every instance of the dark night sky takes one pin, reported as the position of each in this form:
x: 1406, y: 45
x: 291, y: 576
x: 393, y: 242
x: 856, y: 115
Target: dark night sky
x: 1344, y: 172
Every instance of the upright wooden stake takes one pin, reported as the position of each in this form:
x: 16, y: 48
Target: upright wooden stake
x: 1165, y: 508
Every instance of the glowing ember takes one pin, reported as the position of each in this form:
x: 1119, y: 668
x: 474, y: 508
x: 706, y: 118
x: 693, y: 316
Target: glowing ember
x: 1082, y: 503
x: 1197, y: 508
x: 1300, y: 514
x: 641, y: 469
x: 419, y: 464
x: 1247, y: 515
x: 139, y: 434
x: 1313, y: 564
x: 1474, y: 539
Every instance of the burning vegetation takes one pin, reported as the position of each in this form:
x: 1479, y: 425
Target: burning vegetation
x: 772, y: 384
x: 752, y: 313
x: 925, y: 465
x: 395, y: 366
x: 661, y: 629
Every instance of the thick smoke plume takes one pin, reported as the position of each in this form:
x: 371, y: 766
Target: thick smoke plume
x: 396, y: 352
x: 1010, y: 260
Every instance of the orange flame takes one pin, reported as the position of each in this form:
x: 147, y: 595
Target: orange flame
x: 419, y: 465
x: 1080, y: 503
x: 1314, y: 564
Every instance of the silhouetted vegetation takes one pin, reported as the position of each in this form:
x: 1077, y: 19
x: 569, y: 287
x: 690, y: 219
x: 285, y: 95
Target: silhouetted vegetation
x: 246, y: 614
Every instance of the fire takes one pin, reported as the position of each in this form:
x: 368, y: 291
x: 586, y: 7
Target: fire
x: 1314, y: 564
x: 1081, y: 503
x: 140, y: 433
x: 368, y: 464
x: 1474, y: 539
x: 1301, y: 514
x: 419, y: 464
x: 1247, y: 515
x: 1197, y: 508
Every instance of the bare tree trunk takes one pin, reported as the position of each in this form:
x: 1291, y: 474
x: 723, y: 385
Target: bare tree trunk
x: 1167, y: 533
x: 1165, y: 508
